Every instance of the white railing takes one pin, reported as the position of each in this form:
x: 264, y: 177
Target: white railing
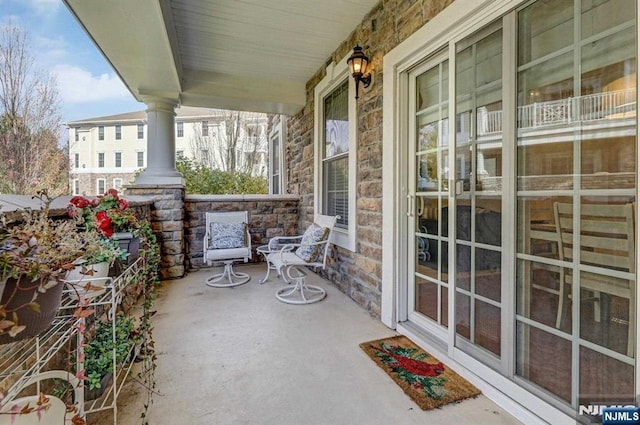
x: 616, y: 104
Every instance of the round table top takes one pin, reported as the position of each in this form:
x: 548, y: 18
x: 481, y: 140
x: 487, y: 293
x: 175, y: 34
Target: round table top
x: 263, y: 249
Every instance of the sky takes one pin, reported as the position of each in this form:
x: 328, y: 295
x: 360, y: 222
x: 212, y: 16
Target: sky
x: 87, y: 84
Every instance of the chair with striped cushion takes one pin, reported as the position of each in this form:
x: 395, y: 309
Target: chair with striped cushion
x: 307, y: 250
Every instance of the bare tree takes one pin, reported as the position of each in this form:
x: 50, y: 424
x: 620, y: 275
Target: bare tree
x: 30, y: 121
x: 234, y: 141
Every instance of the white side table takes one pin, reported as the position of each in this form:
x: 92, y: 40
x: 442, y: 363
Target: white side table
x: 265, y: 251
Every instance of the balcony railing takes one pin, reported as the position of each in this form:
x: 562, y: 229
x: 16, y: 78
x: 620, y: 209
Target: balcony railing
x: 593, y: 107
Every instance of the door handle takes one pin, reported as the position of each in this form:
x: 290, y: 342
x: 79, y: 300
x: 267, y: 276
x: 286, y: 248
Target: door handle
x: 410, y: 198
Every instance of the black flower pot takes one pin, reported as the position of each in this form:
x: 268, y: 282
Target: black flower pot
x: 130, y: 243
x: 18, y: 293
x: 97, y: 392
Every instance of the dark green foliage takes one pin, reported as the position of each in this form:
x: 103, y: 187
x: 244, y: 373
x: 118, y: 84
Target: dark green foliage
x: 202, y: 180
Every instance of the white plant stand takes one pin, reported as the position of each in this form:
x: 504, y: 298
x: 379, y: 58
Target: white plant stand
x: 39, y: 351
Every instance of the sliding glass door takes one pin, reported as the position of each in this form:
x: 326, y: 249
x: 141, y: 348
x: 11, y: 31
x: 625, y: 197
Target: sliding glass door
x: 576, y: 188
x: 532, y: 274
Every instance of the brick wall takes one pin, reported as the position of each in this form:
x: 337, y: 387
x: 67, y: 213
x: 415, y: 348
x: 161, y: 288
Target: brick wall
x: 387, y: 25
x: 269, y: 216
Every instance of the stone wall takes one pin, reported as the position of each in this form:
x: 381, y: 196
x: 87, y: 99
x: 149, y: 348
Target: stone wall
x: 387, y: 25
x: 269, y: 216
x: 167, y: 215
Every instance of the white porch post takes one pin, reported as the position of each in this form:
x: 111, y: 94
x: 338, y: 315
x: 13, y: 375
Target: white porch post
x: 161, y: 145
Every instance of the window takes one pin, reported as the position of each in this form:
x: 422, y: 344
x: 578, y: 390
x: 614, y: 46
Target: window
x: 335, y: 151
x: 76, y: 160
x: 180, y: 129
x: 77, y: 131
x: 101, y: 186
x: 75, y: 187
x: 335, y: 165
x: 140, y: 159
x: 275, y: 158
x: 140, y: 131
x: 205, y: 128
x: 101, y: 132
x: 117, y: 183
x: 180, y: 154
x: 118, y: 132
x: 118, y: 159
x: 101, y: 159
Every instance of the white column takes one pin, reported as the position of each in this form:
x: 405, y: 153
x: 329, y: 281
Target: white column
x: 161, y: 145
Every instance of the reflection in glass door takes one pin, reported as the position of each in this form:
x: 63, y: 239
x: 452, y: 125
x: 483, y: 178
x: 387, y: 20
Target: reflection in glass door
x: 428, y: 183
x: 478, y: 171
x: 576, y: 186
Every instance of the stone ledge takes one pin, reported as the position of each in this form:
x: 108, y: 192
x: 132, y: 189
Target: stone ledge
x: 236, y: 198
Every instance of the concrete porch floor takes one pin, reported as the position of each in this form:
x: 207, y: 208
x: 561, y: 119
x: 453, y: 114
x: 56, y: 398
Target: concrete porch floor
x: 239, y: 356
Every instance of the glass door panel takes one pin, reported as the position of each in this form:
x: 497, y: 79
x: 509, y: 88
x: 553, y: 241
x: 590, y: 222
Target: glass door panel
x: 478, y: 188
x: 576, y: 200
x: 428, y: 193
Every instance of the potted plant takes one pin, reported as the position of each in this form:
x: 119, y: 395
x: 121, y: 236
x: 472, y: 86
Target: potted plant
x: 35, y: 256
x: 99, y: 354
x: 90, y: 274
x: 111, y: 216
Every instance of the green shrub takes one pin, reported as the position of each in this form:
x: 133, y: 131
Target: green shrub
x: 202, y: 180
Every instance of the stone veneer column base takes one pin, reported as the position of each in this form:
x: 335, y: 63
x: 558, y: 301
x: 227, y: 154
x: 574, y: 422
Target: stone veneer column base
x: 167, y: 222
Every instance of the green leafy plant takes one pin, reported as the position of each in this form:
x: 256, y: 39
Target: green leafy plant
x: 99, y: 352
x: 104, y: 250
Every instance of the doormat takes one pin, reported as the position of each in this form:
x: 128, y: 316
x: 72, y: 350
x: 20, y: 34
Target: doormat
x: 423, y: 378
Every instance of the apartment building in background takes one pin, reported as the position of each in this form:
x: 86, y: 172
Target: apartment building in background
x: 106, y: 152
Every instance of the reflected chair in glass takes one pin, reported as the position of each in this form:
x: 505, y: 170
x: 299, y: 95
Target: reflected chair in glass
x: 606, y: 254
x: 227, y: 240
x: 310, y: 250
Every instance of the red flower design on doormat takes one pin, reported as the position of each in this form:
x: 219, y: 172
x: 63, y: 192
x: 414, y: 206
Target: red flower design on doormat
x: 424, y: 378
x: 410, y: 366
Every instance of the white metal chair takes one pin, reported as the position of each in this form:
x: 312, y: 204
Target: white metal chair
x: 227, y: 240
x: 310, y: 250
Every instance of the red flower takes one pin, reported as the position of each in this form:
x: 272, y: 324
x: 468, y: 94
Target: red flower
x: 103, y: 223
x: 80, y: 201
x: 112, y: 192
x: 123, y: 204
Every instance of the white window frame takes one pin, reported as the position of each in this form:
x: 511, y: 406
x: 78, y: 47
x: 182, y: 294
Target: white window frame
x: 76, y: 160
x: 100, y: 133
x: 104, y: 186
x: 117, y: 183
x: 140, y: 131
x: 180, y: 129
x: 98, y: 160
x: 75, y: 187
x: 118, y: 131
x: 115, y: 159
x: 279, y: 132
x: 138, y: 154
x: 336, y: 74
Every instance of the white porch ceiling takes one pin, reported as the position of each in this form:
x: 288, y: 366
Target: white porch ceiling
x: 252, y: 55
